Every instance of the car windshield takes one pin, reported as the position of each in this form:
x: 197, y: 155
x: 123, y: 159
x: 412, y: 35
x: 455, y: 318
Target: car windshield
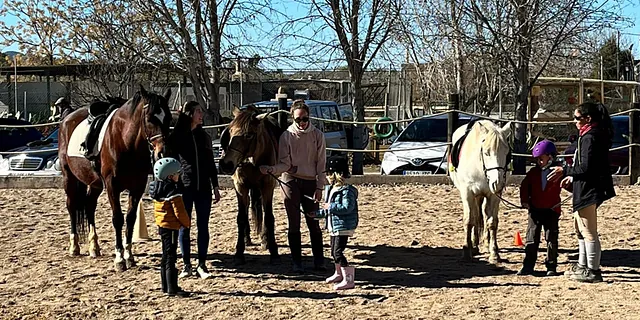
x: 427, y: 130
x: 53, y: 136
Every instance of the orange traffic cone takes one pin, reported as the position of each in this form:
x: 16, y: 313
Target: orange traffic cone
x: 517, y: 241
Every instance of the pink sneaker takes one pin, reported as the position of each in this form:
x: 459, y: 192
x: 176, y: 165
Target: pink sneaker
x: 348, y: 281
x: 336, y: 277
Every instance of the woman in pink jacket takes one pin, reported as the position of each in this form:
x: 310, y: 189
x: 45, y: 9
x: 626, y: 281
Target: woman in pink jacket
x: 302, y: 159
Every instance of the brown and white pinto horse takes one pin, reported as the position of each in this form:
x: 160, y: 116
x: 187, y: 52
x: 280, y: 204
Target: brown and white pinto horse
x: 137, y: 128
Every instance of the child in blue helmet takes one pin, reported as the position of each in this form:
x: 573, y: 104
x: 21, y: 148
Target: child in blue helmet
x: 542, y: 198
x: 341, y: 211
x: 170, y: 214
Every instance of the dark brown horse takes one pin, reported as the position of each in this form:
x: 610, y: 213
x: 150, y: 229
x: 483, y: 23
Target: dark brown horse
x: 250, y: 141
x: 137, y: 129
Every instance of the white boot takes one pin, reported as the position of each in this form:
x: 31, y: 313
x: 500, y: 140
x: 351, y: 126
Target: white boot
x: 337, y: 276
x: 348, y: 279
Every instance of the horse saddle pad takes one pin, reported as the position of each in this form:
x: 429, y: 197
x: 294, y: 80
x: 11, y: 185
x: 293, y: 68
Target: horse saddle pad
x: 454, y: 157
x: 75, y: 148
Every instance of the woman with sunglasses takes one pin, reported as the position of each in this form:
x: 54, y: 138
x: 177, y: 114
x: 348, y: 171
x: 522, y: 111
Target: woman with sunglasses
x: 302, y: 159
x: 592, y: 185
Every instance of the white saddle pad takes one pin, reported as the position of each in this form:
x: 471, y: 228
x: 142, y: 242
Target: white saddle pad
x: 74, y: 149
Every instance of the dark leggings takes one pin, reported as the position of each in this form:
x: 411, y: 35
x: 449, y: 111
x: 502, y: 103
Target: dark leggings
x: 202, y: 201
x: 338, y: 244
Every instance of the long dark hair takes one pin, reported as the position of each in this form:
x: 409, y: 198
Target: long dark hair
x: 599, y: 115
x: 185, y: 116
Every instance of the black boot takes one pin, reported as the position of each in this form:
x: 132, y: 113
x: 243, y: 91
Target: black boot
x: 296, y: 251
x: 552, y: 259
x: 530, y: 253
x: 163, y: 277
x: 318, y: 254
x: 172, y: 282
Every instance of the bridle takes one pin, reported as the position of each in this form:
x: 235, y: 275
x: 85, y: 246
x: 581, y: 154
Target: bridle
x: 146, y: 135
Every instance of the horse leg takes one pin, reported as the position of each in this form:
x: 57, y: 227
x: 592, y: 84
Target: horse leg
x: 256, y: 216
x: 134, y: 201
x: 90, y: 211
x: 243, y: 219
x: 118, y: 221
x: 74, y: 201
x: 477, y: 230
x: 268, y: 230
x: 491, y: 218
x: 470, y: 208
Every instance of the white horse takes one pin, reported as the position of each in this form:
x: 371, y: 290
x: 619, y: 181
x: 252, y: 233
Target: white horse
x: 480, y: 177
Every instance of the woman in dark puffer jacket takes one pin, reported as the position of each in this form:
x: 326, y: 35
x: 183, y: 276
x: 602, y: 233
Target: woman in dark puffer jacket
x: 592, y: 185
x: 191, y: 145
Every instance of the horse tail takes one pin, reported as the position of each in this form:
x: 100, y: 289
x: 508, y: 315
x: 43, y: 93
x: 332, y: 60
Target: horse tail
x: 256, y: 210
x: 79, y: 212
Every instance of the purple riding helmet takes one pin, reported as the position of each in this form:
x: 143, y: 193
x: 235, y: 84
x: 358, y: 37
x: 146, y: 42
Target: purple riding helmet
x: 544, y: 147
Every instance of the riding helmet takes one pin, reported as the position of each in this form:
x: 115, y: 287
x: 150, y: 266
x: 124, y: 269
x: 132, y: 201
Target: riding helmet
x: 544, y: 147
x: 338, y: 164
x: 165, y: 167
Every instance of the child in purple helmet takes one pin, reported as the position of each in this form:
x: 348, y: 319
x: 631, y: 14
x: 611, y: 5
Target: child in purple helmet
x: 542, y: 199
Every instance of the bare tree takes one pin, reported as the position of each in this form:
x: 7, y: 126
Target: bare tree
x: 514, y: 40
x: 351, y: 30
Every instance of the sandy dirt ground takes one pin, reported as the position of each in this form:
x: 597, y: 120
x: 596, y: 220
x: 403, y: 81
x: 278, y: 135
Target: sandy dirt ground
x: 407, y: 253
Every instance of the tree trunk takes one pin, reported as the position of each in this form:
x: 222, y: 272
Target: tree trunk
x: 358, y: 109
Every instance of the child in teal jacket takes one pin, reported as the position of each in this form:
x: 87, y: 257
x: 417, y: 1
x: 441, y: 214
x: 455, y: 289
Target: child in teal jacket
x: 341, y: 211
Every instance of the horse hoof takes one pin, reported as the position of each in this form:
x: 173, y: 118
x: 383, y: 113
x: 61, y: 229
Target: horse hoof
x: 130, y: 263
x: 121, y: 266
x: 494, y: 259
x: 239, y: 260
x: 74, y: 253
x: 264, y: 246
x: 94, y: 253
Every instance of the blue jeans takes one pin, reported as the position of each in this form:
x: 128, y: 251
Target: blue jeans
x: 202, y: 201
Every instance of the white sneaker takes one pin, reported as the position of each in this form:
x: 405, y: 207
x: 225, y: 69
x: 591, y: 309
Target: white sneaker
x: 186, y: 272
x: 203, y: 272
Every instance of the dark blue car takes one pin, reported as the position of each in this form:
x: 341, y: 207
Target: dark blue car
x: 38, y: 154
x: 619, y: 158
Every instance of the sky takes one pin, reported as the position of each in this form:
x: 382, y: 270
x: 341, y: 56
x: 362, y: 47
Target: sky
x: 292, y: 7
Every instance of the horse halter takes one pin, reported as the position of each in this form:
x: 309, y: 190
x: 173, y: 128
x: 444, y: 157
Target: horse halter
x: 504, y: 169
x: 146, y: 135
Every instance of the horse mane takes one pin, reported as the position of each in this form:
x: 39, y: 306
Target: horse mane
x: 243, y: 120
x: 135, y: 101
x: 493, y: 138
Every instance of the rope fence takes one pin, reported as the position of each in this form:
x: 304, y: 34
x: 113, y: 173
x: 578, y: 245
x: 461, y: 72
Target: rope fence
x: 223, y: 125
x: 358, y: 150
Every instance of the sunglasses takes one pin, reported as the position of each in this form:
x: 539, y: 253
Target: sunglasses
x: 303, y: 119
x: 578, y: 118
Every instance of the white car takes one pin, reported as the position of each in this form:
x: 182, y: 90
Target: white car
x: 427, y: 137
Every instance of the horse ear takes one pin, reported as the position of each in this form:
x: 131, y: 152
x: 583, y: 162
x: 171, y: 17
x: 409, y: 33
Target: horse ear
x: 236, y: 111
x: 506, y: 129
x: 142, y: 90
x: 167, y: 94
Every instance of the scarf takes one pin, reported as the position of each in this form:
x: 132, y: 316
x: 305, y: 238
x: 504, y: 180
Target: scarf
x: 293, y: 128
x: 586, y: 128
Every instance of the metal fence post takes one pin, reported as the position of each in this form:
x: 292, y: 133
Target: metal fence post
x: 452, y: 117
x: 634, y: 137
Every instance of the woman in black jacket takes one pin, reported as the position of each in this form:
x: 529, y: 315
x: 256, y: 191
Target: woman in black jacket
x: 191, y: 145
x: 592, y: 185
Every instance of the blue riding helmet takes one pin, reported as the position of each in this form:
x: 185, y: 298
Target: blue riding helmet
x: 165, y: 167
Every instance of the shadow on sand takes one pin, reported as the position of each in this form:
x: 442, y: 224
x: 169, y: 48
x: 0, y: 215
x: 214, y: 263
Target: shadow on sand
x: 397, y: 267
